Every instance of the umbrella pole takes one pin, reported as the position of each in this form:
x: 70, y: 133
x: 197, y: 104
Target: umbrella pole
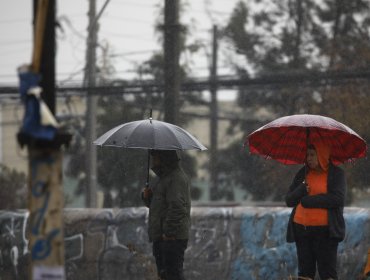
x: 147, y: 174
x: 307, y: 143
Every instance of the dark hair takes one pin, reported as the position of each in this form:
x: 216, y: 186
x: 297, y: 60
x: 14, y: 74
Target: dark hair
x: 167, y: 157
x: 311, y: 147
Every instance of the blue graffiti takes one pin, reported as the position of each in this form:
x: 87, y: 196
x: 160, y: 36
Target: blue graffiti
x: 356, y: 222
x: 39, y: 215
x: 35, y: 163
x: 38, y: 189
x: 47, y: 160
x: 42, y: 247
x: 356, y: 225
x: 266, y: 255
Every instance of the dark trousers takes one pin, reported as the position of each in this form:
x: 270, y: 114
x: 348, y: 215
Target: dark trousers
x: 315, y: 248
x: 169, y: 258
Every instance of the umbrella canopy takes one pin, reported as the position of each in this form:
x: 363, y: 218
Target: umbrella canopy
x: 149, y: 134
x: 285, y: 139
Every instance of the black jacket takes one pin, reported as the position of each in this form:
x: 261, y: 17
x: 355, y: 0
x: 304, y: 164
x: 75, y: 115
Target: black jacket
x: 169, y: 206
x: 333, y: 200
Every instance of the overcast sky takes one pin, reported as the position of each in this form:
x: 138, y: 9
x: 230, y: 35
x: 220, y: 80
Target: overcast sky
x: 127, y: 25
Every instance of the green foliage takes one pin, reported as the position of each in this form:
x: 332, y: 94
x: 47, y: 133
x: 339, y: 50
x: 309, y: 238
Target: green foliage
x: 13, y: 189
x: 120, y: 171
x: 265, y: 180
x: 296, y: 37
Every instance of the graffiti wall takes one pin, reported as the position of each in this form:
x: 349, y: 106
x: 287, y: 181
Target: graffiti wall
x: 225, y: 243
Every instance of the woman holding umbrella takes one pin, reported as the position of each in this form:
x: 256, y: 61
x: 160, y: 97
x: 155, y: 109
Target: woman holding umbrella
x: 316, y: 223
x: 318, y: 191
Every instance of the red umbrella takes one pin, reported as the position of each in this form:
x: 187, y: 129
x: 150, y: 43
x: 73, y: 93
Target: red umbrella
x: 285, y: 139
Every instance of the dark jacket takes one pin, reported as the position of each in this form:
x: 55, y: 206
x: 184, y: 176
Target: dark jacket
x: 169, y: 207
x: 333, y: 200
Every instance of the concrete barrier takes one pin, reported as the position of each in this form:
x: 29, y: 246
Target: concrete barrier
x: 225, y: 243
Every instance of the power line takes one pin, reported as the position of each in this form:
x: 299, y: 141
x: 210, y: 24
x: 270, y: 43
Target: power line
x: 66, y: 19
x: 72, y: 75
x: 224, y: 82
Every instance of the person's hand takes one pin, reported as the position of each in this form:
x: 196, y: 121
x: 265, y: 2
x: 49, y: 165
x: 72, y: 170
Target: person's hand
x: 147, y: 192
x: 166, y: 238
x: 307, y: 186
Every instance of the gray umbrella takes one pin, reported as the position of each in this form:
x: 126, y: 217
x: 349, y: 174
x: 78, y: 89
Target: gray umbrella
x: 149, y: 134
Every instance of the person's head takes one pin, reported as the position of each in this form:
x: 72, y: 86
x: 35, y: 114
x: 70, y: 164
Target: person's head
x: 311, y: 158
x: 318, y: 156
x: 162, y: 158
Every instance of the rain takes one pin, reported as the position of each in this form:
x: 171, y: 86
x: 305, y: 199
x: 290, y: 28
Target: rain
x: 214, y: 73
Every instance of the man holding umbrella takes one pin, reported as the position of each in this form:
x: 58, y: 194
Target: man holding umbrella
x: 169, y: 199
x: 169, y: 205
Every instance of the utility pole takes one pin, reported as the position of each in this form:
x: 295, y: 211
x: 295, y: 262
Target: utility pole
x: 214, y: 118
x: 172, y: 31
x: 45, y: 191
x: 91, y: 105
x: 47, y: 67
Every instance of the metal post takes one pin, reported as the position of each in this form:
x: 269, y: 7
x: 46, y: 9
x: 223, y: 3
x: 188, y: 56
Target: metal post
x: 213, y: 120
x: 91, y: 105
x: 171, y: 60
